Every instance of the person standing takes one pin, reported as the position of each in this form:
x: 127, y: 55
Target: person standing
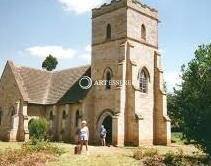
x: 84, y: 136
x: 103, y: 133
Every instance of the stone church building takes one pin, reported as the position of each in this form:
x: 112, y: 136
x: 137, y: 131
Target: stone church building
x: 124, y: 47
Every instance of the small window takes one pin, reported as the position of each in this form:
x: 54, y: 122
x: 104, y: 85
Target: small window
x: 143, y: 32
x: 108, y: 78
x: 77, y: 117
x: 143, y: 80
x: 64, y: 115
x: 51, y: 115
x: 12, y: 110
x: 108, y: 32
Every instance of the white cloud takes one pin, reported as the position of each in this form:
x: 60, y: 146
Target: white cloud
x: 162, y: 51
x: 56, y: 51
x: 80, y: 6
x: 172, y: 78
x: 86, y: 54
x: 88, y: 48
x: 81, y: 56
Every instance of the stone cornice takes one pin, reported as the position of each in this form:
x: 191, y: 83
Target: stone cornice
x: 127, y: 38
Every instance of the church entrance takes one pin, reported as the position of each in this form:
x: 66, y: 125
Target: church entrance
x: 106, y: 119
x: 107, y: 122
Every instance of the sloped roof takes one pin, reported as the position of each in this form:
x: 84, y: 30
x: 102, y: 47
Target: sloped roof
x: 75, y: 93
x: 44, y: 87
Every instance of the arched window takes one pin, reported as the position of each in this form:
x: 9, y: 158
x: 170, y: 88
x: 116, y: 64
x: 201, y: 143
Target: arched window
x: 144, y: 80
x: 12, y: 111
x: 108, y: 32
x: 51, y: 119
x: 64, y: 115
x: 143, y: 32
x: 77, y: 117
x: 108, y: 77
x: 51, y: 115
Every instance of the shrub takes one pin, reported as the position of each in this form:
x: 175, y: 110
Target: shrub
x: 36, y: 145
x: 171, y: 159
x: 38, y: 128
x: 31, y: 153
x: 142, y: 152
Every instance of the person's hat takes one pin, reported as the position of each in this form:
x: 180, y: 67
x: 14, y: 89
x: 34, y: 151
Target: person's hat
x: 83, y: 122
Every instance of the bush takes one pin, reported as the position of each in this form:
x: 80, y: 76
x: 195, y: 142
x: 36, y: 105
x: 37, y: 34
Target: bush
x: 142, y: 152
x: 172, y: 160
x: 38, y: 128
x: 31, y: 153
x: 151, y: 157
x: 36, y: 145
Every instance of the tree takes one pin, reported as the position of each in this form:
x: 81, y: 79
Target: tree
x: 38, y: 128
x: 174, y: 113
x: 49, y: 63
x: 193, y: 99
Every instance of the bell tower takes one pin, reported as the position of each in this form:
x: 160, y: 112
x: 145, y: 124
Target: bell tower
x: 125, y: 48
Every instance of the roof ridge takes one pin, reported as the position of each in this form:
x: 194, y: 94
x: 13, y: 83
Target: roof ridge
x: 56, y: 71
x: 75, y: 67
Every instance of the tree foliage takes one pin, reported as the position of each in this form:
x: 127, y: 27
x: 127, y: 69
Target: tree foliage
x: 192, y: 101
x: 49, y: 63
x: 173, y: 112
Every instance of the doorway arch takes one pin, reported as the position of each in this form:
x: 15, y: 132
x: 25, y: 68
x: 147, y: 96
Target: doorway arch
x: 105, y: 119
x: 107, y: 123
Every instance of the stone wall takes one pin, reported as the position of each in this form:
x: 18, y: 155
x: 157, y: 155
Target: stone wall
x: 9, y: 96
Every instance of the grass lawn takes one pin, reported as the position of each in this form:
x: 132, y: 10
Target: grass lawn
x: 99, y: 156
x: 9, y: 145
x: 106, y: 156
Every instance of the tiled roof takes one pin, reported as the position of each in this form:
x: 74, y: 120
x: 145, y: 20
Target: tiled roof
x: 44, y: 87
x: 75, y: 93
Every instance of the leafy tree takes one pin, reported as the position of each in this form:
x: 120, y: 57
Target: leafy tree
x: 193, y: 99
x: 174, y: 113
x: 38, y: 128
x: 49, y: 63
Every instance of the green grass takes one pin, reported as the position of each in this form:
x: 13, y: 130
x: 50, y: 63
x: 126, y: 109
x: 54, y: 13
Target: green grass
x: 9, y: 145
x: 103, y: 156
x: 176, y: 137
x: 106, y: 156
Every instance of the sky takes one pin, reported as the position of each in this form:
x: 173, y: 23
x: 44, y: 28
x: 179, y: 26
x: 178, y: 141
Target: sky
x: 30, y: 30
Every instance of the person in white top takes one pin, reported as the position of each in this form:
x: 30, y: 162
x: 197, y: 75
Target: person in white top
x: 84, y: 135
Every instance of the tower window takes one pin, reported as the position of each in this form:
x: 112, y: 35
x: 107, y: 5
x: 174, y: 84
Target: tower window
x: 108, y: 32
x: 108, y: 77
x: 143, y: 32
x: 143, y: 80
x: 77, y: 117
